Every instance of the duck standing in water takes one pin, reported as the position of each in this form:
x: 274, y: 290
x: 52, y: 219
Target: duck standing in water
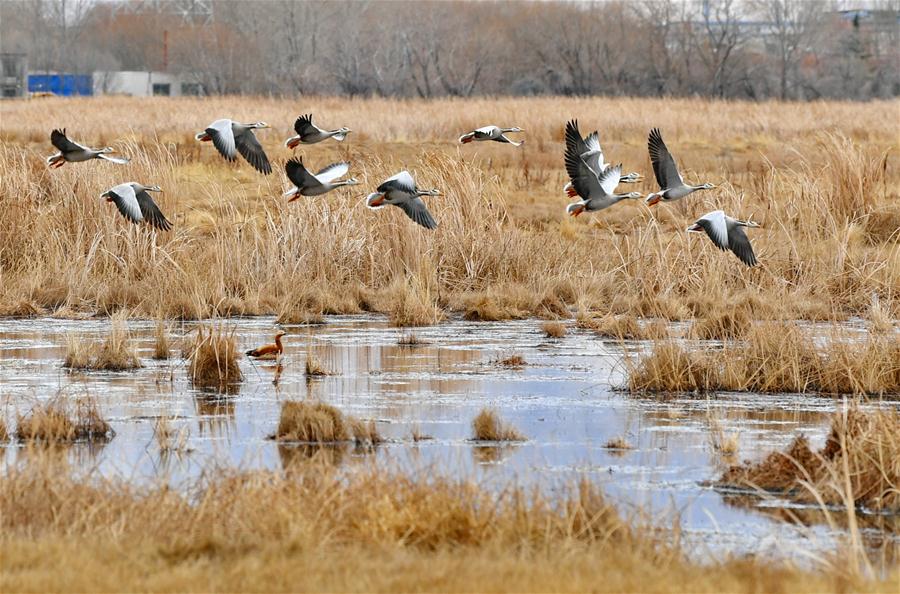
x: 269, y: 351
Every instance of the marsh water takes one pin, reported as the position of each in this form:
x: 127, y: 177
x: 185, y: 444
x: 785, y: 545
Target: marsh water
x: 565, y: 400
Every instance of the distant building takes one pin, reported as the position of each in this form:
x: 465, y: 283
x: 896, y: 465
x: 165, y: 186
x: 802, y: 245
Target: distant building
x: 13, y: 75
x: 144, y: 84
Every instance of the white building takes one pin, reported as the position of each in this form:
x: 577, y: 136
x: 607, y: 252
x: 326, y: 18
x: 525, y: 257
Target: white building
x: 144, y: 84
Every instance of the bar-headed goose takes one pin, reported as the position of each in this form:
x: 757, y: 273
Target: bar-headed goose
x: 230, y: 137
x: 400, y: 190
x: 494, y: 133
x: 727, y: 234
x: 307, y: 184
x: 671, y: 186
x: 596, y: 191
x: 589, y: 149
x: 136, y: 205
x: 309, y: 133
x: 70, y: 151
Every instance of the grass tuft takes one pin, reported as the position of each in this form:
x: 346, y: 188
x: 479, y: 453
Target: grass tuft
x: 552, y: 329
x: 114, y: 354
x: 722, y: 324
x: 57, y: 421
x: 860, y: 463
x: 624, y: 327
x: 318, y: 422
x: 161, y: 347
x: 214, y: 359
x: 487, y: 426
x: 618, y: 443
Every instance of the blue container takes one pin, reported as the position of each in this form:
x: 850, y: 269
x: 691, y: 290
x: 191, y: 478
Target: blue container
x: 67, y: 85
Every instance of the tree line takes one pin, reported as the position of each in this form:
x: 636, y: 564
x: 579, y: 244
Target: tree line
x: 756, y: 49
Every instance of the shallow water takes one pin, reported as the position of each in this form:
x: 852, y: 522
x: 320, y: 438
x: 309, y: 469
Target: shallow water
x: 564, y: 400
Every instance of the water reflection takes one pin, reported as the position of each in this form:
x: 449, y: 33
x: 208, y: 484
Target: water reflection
x: 563, y: 400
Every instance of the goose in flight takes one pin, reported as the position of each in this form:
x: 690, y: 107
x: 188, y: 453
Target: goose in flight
x: 73, y: 152
x: 596, y: 191
x: 400, y: 190
x: 309, y: 133
x: 230, y: 137
x: 307, y: 184
x: 589, y: 149
x: 727, y: 234
x: 134, y: 202
x: 671, y: 186
x: 490, y: 133
x: 269, y: 351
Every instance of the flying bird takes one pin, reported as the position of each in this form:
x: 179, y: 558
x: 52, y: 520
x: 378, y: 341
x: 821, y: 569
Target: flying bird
x: 307, y: 184
x: 309, y: 133
x: 588, y: 148
x: 596, y: 191
x: 135, y: 204
x: 672, y: 187
x: 230, y: 137
x: 726, y: 233
x: 269, y: 351
x: 400, y: 190
x: 494, y: 133
x: 72, y: 152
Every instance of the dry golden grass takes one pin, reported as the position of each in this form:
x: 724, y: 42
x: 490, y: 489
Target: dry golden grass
x: 553, y: 329
x: 161, y: 347
x: 214, y: 359
x: 511, y: 361
x: 417, y: 435
x: 617, y: 443
x: 410, y: 339
x: 828, y: 203
x: 318, y: 422
x: 623, y: 327
x: 775, y: 357
x: 313, y: 367
x: 487, y: 426
x: 115, y: 354
x: 168, y: 439
x: 60, y: 421
x: 859, y: 465
x: 314, y: 529
x: 723, y: 324
x: 4, y: 432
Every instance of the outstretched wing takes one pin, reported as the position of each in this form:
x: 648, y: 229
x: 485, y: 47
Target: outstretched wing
x: 574, y: 143
x: 117, y: 160
x: 251, y: 150
x: 332, y: 172
x: 716, y: 228
x: 417, y: 211
x: 151, y: 211
x: 299, y: 175
x: 593, y: 156
x: 664, y: 167
x: 486, y: 132
x: 401, y: 182
x: 223, y: 138
x: 304, y: 127
x: 62, y: 143
x: 609, y: 179
x: 584, y: 180
x: 124, y: 198
x: 740, y: 245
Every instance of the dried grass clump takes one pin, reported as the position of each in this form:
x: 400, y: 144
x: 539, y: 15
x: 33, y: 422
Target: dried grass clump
x: 417, y: 435
x: 487, y: 426
x: 4, y: 433
x: 624, y: 327
x: 774, y: 357
x: 168, y: 439
x: 115, y: 354
x: 722, y: 324
x: 553, y: 329
x: 410, y: 339
x: 55, y: 421
x: 365, y: 433
x: 860, y: 464
x: 618, y: 443
x: 512, y: 361
x: 313, y: 366
x: 161, y: 348
x: 214, y: 359
x: 318, y: 422
x: 672, y: 368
